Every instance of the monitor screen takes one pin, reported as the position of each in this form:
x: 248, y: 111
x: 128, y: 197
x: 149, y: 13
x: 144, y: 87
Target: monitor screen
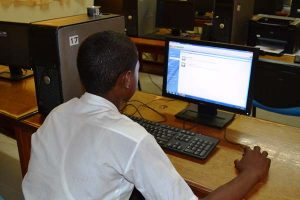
x: 178, y: 15
x: 212, y: 75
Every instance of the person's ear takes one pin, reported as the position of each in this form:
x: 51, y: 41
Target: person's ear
x: 127, y: 79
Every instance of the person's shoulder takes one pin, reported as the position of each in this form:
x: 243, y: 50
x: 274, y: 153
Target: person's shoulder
x: 68, y: 105
x: 128, y: 128
x: 62, y: 109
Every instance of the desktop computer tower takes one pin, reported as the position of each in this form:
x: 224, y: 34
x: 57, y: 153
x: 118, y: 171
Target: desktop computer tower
x: 295, y: 8
x: 54, y: 45
x: 110, y: 6
x: 139, y: 15
x: 230, y: 20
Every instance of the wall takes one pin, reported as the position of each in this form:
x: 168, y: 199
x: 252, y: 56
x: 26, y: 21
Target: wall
x: 36, y: 10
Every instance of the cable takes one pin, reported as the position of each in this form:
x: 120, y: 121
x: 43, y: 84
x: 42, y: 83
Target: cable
x: 154, y: 83
x: 136, y: 109
x: 147, y: 106
x: 157, y: 99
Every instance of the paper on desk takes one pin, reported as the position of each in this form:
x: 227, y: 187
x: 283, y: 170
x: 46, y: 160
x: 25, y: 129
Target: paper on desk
x: 270, y: 49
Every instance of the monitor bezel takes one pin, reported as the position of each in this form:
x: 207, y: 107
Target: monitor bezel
x: 14, y: 38
x: 247, y: 110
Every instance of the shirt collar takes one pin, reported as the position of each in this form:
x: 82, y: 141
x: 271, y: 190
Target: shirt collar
x: 97, y: 101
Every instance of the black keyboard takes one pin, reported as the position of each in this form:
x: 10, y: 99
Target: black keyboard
x: 179, y: 140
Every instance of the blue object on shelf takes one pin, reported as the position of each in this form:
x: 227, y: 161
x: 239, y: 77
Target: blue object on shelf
x: 292, y: 111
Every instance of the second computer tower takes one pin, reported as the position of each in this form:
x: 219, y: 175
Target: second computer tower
x: 139, y: 15
x: 230, y: 20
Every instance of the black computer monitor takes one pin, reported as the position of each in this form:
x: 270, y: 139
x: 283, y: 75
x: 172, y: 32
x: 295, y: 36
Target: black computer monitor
x: 295, y: 8
x: 210, y: 75
x: 178, y: 15
x: 269, y: 7
x: 14, y: 47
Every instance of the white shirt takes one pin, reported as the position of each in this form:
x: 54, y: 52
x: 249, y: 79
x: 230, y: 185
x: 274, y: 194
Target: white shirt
x: 86, y: 149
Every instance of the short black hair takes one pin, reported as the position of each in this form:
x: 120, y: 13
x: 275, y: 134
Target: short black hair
x: 102, y: 58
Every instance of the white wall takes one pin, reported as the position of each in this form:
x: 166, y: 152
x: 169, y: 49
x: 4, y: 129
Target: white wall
x: 36, y: 10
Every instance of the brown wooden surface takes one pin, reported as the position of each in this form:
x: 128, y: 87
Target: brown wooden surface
x: 283, y: 58
x: 154, y: 47
x: 149, y: 44
x: 17, y: 100
x: 282, y: 143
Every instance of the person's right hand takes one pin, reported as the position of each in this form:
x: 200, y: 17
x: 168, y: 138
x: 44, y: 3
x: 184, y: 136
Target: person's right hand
x: 254, y: 162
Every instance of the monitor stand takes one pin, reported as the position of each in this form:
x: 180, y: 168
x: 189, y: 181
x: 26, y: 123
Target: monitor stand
x: 207, y: 115
x: 16, y: 73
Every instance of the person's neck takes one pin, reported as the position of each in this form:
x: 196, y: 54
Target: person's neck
x: 116, y: 99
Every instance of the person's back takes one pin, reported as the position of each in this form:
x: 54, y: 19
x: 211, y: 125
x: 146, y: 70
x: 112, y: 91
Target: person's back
x: 77, y: 144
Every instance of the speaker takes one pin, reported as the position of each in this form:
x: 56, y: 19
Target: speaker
x: 53, y: 47
x: 230, y: 20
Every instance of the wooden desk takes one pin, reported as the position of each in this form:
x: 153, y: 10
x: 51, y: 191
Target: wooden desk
x: 17, y: 100
x: 282, y: 143
x: 154, y: 47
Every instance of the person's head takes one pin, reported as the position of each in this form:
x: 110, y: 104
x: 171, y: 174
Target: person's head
x: 108, y: 66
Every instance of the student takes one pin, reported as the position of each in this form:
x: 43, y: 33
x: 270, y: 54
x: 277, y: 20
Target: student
x: 86, y: 149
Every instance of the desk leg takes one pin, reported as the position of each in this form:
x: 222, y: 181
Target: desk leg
x: 23, y: 137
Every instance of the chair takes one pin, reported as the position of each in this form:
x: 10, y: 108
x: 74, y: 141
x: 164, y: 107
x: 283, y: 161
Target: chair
x: 292, y: 111
x: 136, y: 195
x: 277, y: 87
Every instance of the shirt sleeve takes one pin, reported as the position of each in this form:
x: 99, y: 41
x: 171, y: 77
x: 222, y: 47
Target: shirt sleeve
x: 152, y: 173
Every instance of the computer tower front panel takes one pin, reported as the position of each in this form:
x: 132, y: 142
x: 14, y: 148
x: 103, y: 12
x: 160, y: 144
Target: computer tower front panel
x: 54, y: 47
x: 70, y: 83
x: 230, y: 20
x: 130, y: 10
x: 139, y: 16
x: 147, y: 16
x: 222, y: 21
